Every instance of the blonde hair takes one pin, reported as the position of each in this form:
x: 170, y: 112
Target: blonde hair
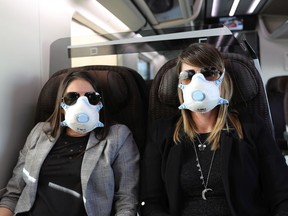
x: 205, y: 55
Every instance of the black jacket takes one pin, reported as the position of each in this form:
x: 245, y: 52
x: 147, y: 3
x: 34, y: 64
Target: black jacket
x: 254, y: 172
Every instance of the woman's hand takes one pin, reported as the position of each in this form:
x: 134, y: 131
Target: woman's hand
x: 5, y: 212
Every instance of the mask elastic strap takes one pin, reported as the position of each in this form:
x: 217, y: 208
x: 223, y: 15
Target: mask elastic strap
x: 64, y: 106
x: 220, y: 79
x: 223, y: 101
x: 181, y: 86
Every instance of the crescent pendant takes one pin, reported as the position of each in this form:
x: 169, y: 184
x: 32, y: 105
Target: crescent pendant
x: 204, y: 192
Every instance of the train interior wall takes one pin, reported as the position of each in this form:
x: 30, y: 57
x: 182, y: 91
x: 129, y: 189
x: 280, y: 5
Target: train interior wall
x: 28, y: 29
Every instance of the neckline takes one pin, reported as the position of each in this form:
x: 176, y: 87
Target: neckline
x: 67, y: 136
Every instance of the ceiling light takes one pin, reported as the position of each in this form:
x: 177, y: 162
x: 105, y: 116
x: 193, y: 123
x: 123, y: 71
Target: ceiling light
x: 253, y: 6
x: 234, y: 7
x: 105, y: 19
x: 215, y: 7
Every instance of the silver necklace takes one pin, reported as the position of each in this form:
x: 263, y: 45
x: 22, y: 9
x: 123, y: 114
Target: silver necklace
x: 205, y: 184
x: 201, y: 145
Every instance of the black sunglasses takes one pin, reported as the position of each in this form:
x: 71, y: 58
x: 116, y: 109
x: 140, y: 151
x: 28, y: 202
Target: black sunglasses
x: 210, y: 73
x: 70, y: 98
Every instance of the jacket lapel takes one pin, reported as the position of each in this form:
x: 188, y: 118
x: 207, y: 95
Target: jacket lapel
x: 226, y: 142
x: 33, y: 164
x: 91, y: 157
x: 42, y: 149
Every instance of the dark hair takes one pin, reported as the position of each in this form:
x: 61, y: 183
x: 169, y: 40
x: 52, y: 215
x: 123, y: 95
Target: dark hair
x: 58, y: 116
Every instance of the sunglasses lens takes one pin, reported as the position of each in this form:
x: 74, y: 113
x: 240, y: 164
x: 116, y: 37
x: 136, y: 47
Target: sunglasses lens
x: 210, y: 74
x: 187, y: 74
x: 70, y: 98
x: 93, y: 97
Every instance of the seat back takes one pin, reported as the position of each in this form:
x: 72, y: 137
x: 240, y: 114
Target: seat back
x: 286, y: 117
x: 124, y: 95
x: 249, y: 92
x: 277, y: 93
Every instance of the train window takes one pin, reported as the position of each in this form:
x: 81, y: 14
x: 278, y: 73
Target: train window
x: 143, y: 67
x: 82, y: 34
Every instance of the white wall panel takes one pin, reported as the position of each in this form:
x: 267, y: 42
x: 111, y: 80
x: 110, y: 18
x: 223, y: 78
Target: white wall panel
x: 27, y: 30
x: 20, y: 77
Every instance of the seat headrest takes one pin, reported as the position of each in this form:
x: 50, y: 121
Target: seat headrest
x: 112, y: 83
x: 249, y: 93
x: 245, y: 84
x: 168, y: 84
x: 277, y: 92
x: 245, y: 78
x: 123, y: 91
x: 277, y: 84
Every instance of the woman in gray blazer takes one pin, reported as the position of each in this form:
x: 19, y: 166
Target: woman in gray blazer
x: 77, y: 163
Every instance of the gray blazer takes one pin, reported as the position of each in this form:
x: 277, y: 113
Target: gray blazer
x: 117, y: 156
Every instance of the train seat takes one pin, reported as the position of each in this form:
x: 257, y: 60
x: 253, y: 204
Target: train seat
x: 286, y: 115
x: 277, y: 93
x: 124, y: 94
x: 249, y: 91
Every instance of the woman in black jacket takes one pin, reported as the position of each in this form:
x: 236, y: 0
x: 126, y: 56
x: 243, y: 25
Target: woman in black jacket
x: 211, y: 160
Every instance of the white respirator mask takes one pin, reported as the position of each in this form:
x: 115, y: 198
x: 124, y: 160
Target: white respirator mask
x: 201, y: 94
x: 82, y: 116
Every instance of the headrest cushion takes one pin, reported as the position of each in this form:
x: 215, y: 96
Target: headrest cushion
x: 245, y: 84
x: 111, y: 84
x: 277, y: 84
x: 168, y: 88
x: 242, y: 72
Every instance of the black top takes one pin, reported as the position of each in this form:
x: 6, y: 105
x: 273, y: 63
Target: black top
x: 192, y: 186
x: 59, y: 188
x: 253, y: 171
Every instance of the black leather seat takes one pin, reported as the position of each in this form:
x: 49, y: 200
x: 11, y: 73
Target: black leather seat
x: 249, y: 92
x: 277, y: 92
x: 124, y: 95
x: 286, y: 118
